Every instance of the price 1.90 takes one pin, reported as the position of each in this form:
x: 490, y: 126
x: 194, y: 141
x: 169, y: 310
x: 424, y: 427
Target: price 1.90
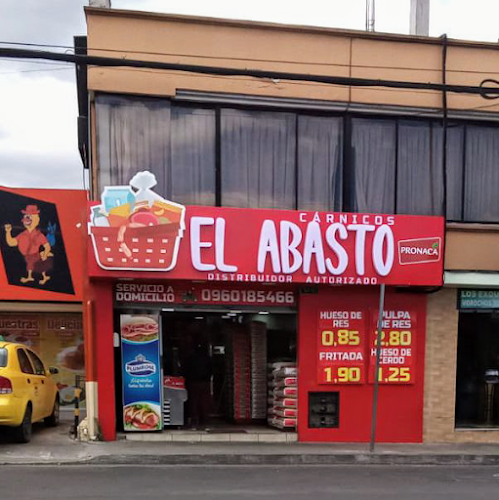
x: 330, y: 338
x: 342, y: 374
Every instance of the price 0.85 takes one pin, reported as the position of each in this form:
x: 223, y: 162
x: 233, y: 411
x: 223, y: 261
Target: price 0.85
x: 343, y: 374
x: 340, y: 337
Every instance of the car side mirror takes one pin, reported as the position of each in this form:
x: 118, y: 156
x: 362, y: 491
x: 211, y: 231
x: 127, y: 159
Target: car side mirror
x: 53, y: 370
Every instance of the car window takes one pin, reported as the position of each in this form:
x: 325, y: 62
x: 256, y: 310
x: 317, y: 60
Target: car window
x: 24, y: 362
x: 3, y: 357
x: 37, y: 363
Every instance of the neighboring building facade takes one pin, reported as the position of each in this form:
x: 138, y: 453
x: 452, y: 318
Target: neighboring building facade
x: 41, y: 278
x: 256, y: 143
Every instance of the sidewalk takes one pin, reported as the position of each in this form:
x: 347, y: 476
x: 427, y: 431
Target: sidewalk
x: 50, y: 447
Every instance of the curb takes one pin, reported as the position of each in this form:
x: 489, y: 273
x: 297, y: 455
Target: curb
x: 298, y: 459
x: 272, y: 460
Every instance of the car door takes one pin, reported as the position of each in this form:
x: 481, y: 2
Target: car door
x: 44, y: 385
x: 31, y: 383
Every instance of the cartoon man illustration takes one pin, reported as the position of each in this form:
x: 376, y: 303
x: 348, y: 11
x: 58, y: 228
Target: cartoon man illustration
x: 29, y: 243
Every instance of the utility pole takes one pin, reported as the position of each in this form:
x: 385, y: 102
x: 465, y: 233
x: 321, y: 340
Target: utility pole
x: 420, y: 17
x: 370, y: 14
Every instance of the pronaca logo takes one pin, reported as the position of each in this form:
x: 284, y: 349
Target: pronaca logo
x: 419, y: 251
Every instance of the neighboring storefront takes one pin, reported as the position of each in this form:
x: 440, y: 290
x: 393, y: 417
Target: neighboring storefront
x: 220, y: 316
x: 41, y: 278
x: 461, y: 391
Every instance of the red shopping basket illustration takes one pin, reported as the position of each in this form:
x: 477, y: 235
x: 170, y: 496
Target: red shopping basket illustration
x: 151, y: 248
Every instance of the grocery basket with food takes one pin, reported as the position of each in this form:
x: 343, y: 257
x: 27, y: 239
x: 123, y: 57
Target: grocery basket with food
x: 136, y: 229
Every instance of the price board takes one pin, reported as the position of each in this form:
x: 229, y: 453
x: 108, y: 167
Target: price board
x: 341, y: 347
x: 398, y: 347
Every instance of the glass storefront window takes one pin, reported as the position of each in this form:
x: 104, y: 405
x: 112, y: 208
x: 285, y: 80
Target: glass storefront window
x: 477, y: 384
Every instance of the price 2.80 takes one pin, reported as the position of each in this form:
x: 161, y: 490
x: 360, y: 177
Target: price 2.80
x: 394, y: 338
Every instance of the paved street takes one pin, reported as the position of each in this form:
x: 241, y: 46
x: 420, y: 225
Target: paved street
x: 241, y: 483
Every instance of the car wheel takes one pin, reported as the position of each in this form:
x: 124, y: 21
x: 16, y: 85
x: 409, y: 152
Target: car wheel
x: 53, y: 419
x: 23, y: 433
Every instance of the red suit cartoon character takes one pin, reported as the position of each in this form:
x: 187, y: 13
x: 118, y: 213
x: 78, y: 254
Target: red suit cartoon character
x: 33, y: 245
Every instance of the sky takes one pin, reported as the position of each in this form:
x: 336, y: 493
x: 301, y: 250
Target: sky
x: 38, y: 107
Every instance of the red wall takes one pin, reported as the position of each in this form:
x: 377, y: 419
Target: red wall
x: 102, y: 295
x: 400, y: 407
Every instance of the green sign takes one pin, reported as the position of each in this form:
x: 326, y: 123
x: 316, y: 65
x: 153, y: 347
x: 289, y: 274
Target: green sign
x: 478, y: 299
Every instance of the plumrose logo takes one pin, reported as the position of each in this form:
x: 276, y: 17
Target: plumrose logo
x: 419, y: 251
x: 140, y: 367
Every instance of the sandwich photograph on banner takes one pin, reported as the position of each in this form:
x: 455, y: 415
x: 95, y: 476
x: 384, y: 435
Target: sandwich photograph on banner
x: 140, y: 355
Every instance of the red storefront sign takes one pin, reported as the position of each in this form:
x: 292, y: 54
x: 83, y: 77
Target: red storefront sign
x: 398, y: 346
x: 273, y: 246
x: 343, y: 356
x: 341, y: 347
x: 202, y: 294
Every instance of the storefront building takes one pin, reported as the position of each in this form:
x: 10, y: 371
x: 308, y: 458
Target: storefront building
x: 41, y: 278
x: 237, y: 151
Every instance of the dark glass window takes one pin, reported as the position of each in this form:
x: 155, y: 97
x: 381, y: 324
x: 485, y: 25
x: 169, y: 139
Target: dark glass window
x: 24, y: 362
x: 477, y: 383
x: 3, y: 357
x: 481, y: 174
x: 320, y: 160
x: 209, y: 155
x: 373, y: 165
x: 177, y: 144
x: 258, y: 152
x: 37, y: 363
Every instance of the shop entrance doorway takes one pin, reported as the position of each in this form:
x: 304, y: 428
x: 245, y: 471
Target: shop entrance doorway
x: 224, y: 371
x: 223, y: 360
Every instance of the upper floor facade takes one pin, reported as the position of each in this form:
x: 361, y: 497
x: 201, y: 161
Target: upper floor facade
x: 262, y: 143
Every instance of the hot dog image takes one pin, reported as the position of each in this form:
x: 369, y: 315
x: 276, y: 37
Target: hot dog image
x: 141, y: 416
x: 139, y: 328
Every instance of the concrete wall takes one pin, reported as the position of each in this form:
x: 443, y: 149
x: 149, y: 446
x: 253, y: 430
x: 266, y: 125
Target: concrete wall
x: 472, y: 247
x: 237, y: 44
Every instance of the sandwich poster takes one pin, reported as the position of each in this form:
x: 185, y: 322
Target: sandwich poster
x: 142, y: 388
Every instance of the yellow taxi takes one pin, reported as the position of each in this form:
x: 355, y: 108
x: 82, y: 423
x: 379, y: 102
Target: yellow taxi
x: 28, y: 392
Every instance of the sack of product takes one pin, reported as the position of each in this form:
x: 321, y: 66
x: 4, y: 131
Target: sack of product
x: 281, y: 364
x: 283, y: 423
x: 284, y: 382
x: 287, y: 371
x: 281, y: 411
x: 285, y: 402
x: 291, y: 392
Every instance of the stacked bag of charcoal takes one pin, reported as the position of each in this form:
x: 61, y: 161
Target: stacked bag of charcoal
x: 282, y: 395
x: 258, y: 333
x: 241, y: 375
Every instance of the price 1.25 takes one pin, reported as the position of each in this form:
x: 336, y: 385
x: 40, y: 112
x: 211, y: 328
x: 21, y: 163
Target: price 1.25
x: 341, y: 375
x: 394, y: 374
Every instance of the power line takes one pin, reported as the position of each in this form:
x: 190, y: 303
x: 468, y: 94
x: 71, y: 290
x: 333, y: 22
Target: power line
x: 50, y: 63
x: 35, y: 70
x: 246, y: 59
x: 484, y: 91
